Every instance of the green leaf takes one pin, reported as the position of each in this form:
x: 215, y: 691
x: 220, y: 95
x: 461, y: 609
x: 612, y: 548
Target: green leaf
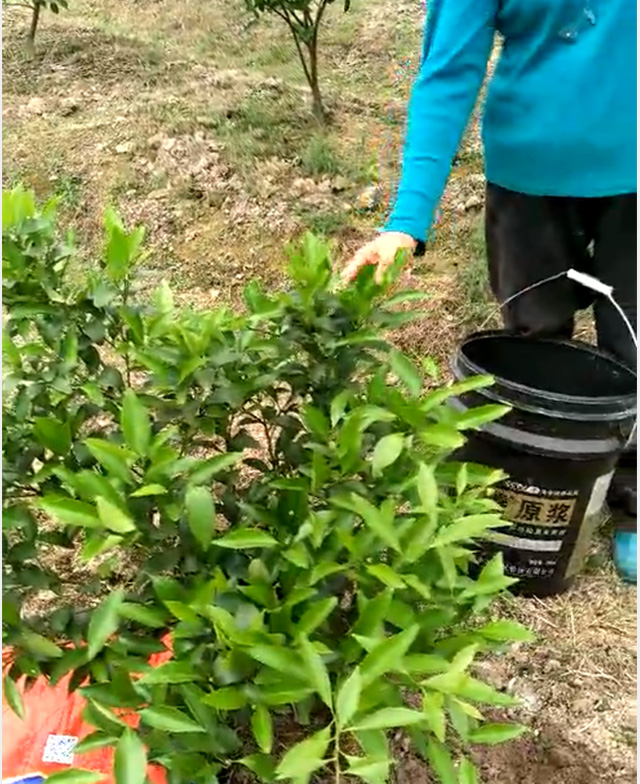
x: 227, y: 698
x: 506, y: 631
x: 406, y: 371
x: 468, y: 527
x: 262, y: 728
x: 375, y: 519
x: 427, y: 488
x: 103, y: 718
x: 434, y: 399
x: 39, y: 646
x: 387, y: 656
x: 278, y: 658
x: 260, y: 764
x: 386, y: 575
x: 462, y: 479
x: 205, y: 470
x: 10, y: 350
x: 135, y: 423
x: 169, y: 672
x: 386, y: 452
x: 115, y: 459
x: 441, y: 762
x: 96, y: 740
x: 459, y: 717
x: 441, y: 436
x: 468, y: 773
x: 70, y: 512
x: 424, y: 664
x: 348, y: 697
x: 448, y: 682
x: 245, y: 539
x: 339, y: 406
x: 52, y: 434
x: 433, y: 710
x: 315, y: 615
x: 146, y: 490
x: 113, y: 518
x: 463, y: 658
x: 477, y: 691
x: 75, y: 776
x: 97, y: 543
x: 390, y: 717
x: 481, y: 415
x: 12, y: 696
x: 169, y: 720
x: 201, y: 515
x: 305, y: 757
x: 317, y: 671
x: 492, y: 734
x: 104, y: 622
x: 152, y: 617
x: 130, y: 760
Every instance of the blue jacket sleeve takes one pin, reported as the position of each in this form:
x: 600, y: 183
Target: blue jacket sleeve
x: 457, y: 44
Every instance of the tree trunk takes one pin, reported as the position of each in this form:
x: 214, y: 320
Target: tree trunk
x: 319, y: 111
x: 33, y: 27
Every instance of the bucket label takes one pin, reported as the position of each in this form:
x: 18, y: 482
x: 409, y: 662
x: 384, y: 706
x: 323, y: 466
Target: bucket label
x: 540, y: 523
x: 544, y: 513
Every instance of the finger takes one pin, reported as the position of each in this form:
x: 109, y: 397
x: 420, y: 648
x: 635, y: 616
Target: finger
x: 383, y: 264
x: 362, y: 258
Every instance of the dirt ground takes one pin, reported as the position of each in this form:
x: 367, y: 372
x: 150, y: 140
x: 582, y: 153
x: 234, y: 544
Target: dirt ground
x: 193, y: 119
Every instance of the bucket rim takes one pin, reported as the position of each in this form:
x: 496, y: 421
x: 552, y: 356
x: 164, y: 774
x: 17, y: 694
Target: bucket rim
x: 621, y: 402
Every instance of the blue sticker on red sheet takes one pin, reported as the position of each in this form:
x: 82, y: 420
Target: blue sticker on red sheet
x: 30, y: 778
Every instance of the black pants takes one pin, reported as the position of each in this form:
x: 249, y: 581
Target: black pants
x: 530, y: 238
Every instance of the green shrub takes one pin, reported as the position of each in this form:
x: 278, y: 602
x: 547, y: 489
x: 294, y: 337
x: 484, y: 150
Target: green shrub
x: 302, y: 544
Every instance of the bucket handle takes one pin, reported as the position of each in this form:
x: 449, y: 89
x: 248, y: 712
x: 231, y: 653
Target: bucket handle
x: 588, y: 281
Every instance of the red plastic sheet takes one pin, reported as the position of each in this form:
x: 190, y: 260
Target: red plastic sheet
x: 43, y: 743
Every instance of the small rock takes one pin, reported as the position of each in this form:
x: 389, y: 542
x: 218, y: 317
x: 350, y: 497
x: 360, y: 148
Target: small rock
x: 339, y: 184
x: 581, y: 705
x: 562, y: 757
x: 156, y: 195
x: 272, y: 83
x: 69, y: 106
x: 473, y: 203
x: 303, y: 185
x: 124, y: 148
x: 36, y: 106
x: 168, y: 143
x: 369, y: 198
x: 154, y: 142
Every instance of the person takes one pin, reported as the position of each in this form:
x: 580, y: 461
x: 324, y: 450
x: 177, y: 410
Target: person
x: 559, y: 135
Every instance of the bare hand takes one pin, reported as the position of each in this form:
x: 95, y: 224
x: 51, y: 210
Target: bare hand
x: 379, y: 253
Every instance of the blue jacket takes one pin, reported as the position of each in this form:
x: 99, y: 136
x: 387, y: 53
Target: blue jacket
x: 560, y: 113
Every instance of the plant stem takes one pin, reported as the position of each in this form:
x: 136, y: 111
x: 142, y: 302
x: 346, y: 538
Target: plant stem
x: 31, y: 35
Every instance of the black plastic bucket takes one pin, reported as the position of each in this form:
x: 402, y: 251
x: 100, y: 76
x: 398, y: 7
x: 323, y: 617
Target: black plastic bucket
x: 574, y: 409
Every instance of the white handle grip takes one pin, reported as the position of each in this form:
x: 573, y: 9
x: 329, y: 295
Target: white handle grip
x: 590, y: 282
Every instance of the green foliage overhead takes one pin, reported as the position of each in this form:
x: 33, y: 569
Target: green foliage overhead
x: 279, y: 478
